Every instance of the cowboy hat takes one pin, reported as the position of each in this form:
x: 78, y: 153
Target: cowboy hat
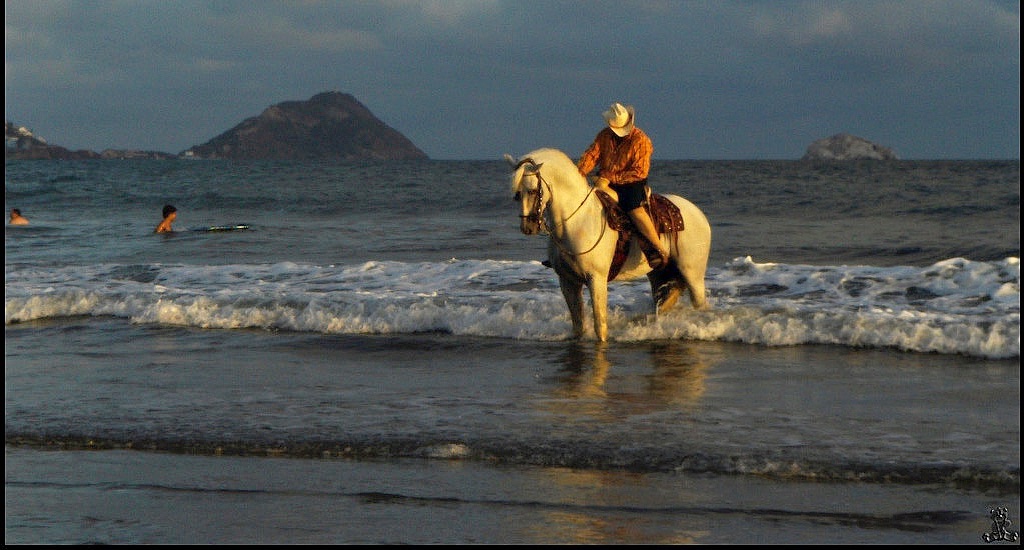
x: 620, y: 119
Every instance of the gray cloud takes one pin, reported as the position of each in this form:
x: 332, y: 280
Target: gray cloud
x: 474, y: 79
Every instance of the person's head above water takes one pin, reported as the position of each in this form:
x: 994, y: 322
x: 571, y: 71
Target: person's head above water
x: 170, y: 213
x: 17, y: 218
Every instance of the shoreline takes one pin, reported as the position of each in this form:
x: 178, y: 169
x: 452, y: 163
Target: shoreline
x: 122, y: 497
x: 961, y: 477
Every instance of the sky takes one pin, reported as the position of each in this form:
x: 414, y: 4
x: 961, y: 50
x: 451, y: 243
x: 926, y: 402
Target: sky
x: 473, y: 79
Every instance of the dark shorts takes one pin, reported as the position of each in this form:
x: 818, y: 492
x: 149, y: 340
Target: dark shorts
x: 631, y: 195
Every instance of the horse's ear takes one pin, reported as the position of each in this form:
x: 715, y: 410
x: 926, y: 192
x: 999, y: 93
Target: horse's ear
x: 510, y: 159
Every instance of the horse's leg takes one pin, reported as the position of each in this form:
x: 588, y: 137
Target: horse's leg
x: 667, y: 285
x: 572, y: 291
x: 690, y: 267
x: 692, y: 275
x: 599, y: 300
x: 696, y: 283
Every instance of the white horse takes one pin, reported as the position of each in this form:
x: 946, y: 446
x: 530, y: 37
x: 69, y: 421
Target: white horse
x: 555, y: 198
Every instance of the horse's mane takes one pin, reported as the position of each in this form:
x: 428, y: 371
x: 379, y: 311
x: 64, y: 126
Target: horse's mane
x: 556, y: 165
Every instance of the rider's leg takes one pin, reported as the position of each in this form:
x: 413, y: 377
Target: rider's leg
x: 644, y: 223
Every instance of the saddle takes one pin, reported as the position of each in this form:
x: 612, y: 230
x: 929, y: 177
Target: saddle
x: 664, y: 213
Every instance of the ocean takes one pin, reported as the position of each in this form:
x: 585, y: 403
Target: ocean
x: 381, y: 358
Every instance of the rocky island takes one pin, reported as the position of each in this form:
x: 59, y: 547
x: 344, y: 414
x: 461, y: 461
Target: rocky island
x: 329, y: 126
x: 847, y: 147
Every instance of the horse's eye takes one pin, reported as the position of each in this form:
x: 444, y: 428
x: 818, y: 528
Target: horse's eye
x: 518, y: 196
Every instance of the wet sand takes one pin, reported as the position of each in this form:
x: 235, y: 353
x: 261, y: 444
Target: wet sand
x: 135, y: 497
x: 660, y: 442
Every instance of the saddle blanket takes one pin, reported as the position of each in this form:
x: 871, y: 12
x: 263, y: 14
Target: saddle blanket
x: 664, y: 213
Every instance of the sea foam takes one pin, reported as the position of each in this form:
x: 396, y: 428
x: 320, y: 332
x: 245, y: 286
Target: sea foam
x: 956, y: 306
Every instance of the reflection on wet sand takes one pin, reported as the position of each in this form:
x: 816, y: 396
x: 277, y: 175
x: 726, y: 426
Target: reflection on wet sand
x: 600, y: 382
x: 599, y: 509
x: 577, y: 528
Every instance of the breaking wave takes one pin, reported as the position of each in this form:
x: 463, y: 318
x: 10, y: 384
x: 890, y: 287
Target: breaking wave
x: 956, y: 306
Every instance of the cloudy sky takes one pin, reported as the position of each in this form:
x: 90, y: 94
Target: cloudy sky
x: 472, y: 79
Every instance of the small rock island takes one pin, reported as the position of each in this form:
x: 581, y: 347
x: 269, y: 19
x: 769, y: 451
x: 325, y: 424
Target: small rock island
x: 847, y: 147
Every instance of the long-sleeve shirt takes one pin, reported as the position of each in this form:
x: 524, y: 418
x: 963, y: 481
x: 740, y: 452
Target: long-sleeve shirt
x: 619, y: 160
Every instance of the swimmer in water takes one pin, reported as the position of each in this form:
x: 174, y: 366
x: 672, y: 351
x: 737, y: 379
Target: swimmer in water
x: 170, y: 214
x: 17, y: 218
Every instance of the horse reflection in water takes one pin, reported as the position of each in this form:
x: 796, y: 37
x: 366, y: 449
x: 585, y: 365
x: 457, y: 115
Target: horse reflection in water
x: 598, y: 384
x: 555, y: 198
x: 660, y: 376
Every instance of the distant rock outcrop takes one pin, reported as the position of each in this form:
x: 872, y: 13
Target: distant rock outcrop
x: 20, y: 137
x: 847, y: 147
x: 21, y: 143
x: 331, y: 125
x: 128, y: 154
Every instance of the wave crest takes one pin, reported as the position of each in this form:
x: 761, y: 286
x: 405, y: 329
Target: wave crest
x: 952, y: 307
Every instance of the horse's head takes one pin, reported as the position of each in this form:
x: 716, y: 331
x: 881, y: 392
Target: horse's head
x: 528, y: 191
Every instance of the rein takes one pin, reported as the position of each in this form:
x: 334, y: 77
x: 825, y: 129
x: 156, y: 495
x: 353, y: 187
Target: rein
x: 537, y: 212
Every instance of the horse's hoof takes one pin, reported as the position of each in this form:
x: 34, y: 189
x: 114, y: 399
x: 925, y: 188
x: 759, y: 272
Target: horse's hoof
x: 666, y: 297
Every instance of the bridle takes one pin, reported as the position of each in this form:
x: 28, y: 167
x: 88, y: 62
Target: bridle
x: 536, y: 214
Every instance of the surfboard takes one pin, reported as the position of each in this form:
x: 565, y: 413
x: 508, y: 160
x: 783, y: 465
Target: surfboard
x: 212, y: 228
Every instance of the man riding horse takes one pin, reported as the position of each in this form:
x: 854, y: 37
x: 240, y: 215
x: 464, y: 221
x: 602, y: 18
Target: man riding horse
x: 589, y: 246
x: 622, y: 154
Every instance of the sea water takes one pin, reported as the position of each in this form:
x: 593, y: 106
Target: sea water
x: 912, y: 256
x: 864, y: 328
